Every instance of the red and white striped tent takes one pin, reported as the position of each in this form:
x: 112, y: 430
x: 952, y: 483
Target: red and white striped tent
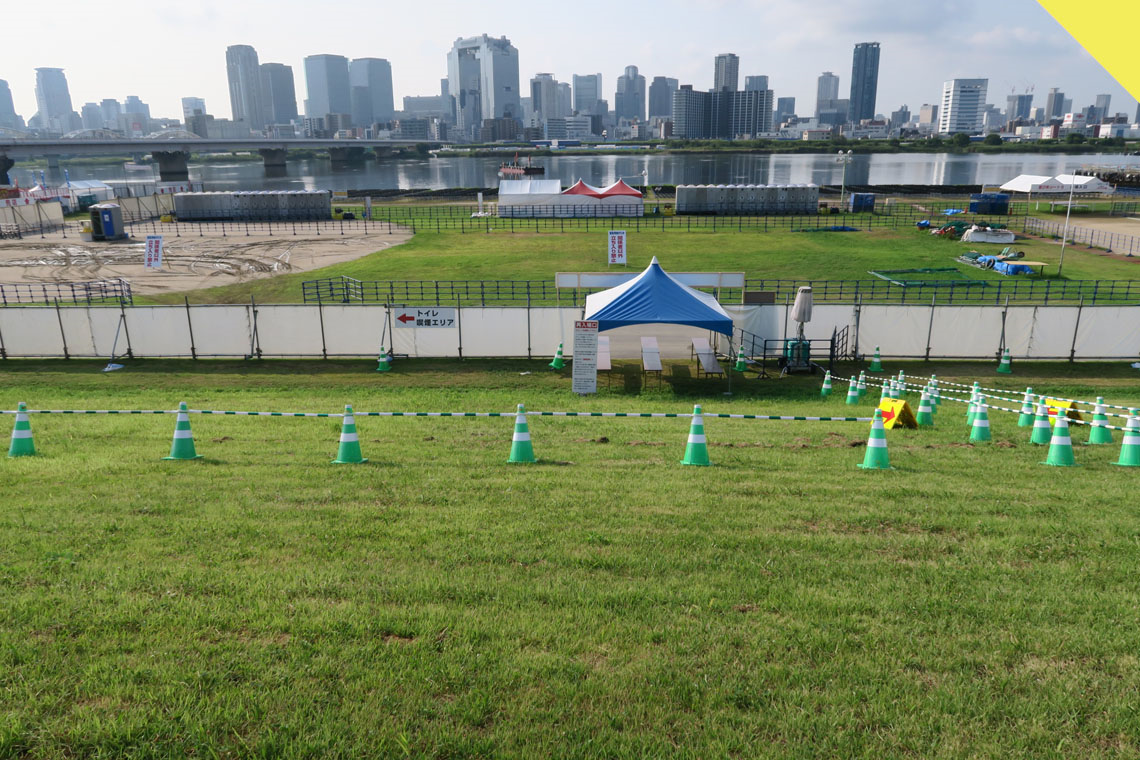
x: 578, y: 200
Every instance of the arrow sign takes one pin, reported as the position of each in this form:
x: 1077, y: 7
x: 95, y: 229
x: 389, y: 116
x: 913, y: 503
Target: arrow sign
x: 405, y: 318
x: 888, y: 415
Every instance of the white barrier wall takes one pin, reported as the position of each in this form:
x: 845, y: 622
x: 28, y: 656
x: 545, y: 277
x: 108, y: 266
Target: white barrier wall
x: 1034, y: 332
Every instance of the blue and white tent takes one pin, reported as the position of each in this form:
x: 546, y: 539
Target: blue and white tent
x: 655, y: 297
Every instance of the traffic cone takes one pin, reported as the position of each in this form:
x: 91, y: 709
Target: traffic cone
x: 1005, y: 367
x: 1025, y: 419
x: 183, y: 444
x: 825, y: 391
x: 886, y: 392
x: 980, y: 432
x: 1130, y: 448
x: 522, y: 452
x: 1097, y: 434
x: 697, y: 450
x: 895, y: 391
x: 862, y: 385
x: 558, y: 362
x: 22, y: 443
x: 902, y: 385
x: 741, y: 362
x: 972, y: 410
x: 925, y: 416
x: 853, y: 392
x: 349, y: 451
x: 1061, y: 445
x: 876, y: 363
x: 385, y: 361
x: 876, y: 457
x: 936, y: 397
x: 1041, y: 434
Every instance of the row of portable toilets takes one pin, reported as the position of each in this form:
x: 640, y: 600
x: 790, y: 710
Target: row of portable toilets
x: 747, y: 199
x: 254, y: 206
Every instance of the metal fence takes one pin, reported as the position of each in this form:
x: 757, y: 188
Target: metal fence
x: 1115, y: 242
x: 115, y: 291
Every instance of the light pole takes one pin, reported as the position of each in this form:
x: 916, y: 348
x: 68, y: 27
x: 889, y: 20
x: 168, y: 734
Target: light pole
x: 1068, y: 211
x: 843, y: 158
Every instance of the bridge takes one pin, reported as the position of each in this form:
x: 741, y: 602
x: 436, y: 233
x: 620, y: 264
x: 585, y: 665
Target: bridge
x: 172, y: 153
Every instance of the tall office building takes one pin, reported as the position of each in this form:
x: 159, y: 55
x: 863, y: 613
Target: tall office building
x: 543, y: 98
x: 1102, y: 103
x: 756, y: 83
x: 8, y: 116
x: 91, y: 116
x: 244, y: 75
x: 134, y: 105
x: 112, y: 110
x: 483, y: 82
x: 629, y: 99
x: 721, y: 114
x: 1136, y: 120
x: 1018, y: 106
x: 899, y: 118
x: 928, y: 115
x: 864, y: 81
x: 190, y: 105
x: 690, y: 113
x: 826, y: 89
x: 54, y: 101
x: 963, y: 105
x: 785, y: 109
x: 565, y: 99
x: 327, y: 84
x: 726, y: 71
x: 1055, y: 104
x: 587, y: 92
x: 371, y: 81
x: 279, y: 93
x: 751, y: 113
x: 1066, y: 106
x: 661, y: 97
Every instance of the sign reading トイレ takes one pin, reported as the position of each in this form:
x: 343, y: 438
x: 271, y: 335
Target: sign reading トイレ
x: 429, y: 316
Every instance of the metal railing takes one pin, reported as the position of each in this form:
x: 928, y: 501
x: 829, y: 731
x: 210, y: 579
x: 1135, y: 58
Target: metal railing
x: 117, y: 291
x: 1115, y: 242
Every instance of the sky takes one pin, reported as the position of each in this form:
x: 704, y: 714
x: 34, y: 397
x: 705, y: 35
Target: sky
x: 165, y: 51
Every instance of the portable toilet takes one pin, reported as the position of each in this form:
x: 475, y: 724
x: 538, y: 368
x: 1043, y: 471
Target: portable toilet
x: 107, y: 222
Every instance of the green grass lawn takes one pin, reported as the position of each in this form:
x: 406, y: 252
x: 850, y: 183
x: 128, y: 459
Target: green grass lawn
x: 502, y: 255
x: 606, y: 602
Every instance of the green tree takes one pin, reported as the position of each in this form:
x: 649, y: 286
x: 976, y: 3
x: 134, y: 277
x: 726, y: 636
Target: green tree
x: 1074, y: 138
x: 960, y: 140
x: 993, y: 138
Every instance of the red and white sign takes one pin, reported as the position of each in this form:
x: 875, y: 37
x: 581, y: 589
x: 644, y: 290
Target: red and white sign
x: 153, y: 257
x: 617, y: 247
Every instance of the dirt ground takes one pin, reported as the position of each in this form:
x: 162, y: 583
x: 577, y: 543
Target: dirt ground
x: 189, y: 261
x: 1121, y: 225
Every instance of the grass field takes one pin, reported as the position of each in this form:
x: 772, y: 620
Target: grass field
x: 792, y: 255
x: 606, y: 602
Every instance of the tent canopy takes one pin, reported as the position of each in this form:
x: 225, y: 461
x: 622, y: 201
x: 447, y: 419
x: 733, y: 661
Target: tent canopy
x: 654, y: 297
x: 1036, y: 183
x: 617, y: 189
x: 530, y: 187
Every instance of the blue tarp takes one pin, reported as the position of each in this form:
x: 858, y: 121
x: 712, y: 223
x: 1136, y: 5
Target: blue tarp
x: 653, y: 297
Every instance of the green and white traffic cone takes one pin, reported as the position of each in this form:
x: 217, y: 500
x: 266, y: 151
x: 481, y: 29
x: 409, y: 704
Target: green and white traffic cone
x: 522, y: 452
x: 825, y: 391
x: 980, y: 432
x: 901, y: 385
x: 1042, y: 433
x: 886, y: 392
x: 1025, y: 419
x: 741, y: 362
x: 1097, y: 434
x: 697, y: 449
x: 558, y: 362
x: 183, y: 444
x: 1060, y: 445
x: 876, y: 457
x: 1005, y: 367
x: 972, y: 409
x: 936, y: 397
x: 385, y: 361
x: 349, y: 450
x: 852, y: 392
x: 925, y: 417
x: 1130, y: 448
x: 22, y: 443
x: 862, y: 385
x: 876, y: 363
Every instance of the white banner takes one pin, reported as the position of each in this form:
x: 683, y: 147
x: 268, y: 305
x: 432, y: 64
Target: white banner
x: 585, y: 369
x: 617, y: 247
x: 153, y: 252
x: 428, y: 316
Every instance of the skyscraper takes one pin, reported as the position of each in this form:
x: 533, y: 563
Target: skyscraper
x: 1018, y: 106
x: 244, y: 75
x: 327, y: 84
x: 371, y: 81
x: 587, y: 92
x: 864, y: 81
x: 279, y: 93
x: 8, y: 117
x: 1055, y: 104
x: 54, y: 101
x: 544, y: 98
x: 963, y: 105
x: 629, y: 99
x: 785, y: 109
x: 661, y: 97
x: 726, y: 70
x: 565, y: 99
x: 483, y: 80
x: 721, y: 114
x: 190, y: 105
x: 91, y: 116
x: 826, y: 89
x: 756, y: 83
x: 112, y: 110
x: 135, y: 105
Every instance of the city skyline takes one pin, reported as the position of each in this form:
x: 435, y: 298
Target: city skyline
x: 1029, y: 50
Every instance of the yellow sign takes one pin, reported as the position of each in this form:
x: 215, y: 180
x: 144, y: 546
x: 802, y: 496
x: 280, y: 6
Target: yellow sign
x: 896, y: 411
x: 1055, y: 405
x: 1107, y: 30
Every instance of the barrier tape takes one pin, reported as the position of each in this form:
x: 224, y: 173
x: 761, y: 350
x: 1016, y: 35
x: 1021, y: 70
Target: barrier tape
x: 1091, y: 404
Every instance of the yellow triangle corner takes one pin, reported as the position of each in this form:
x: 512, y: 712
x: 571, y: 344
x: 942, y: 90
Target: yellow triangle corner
x: 1107, y: 30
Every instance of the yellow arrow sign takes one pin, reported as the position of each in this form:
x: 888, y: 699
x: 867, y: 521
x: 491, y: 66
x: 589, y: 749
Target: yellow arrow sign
x: 1107, y: 30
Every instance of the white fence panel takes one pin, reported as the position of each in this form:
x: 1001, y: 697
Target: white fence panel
x: 289, y: 331
x: 221, y: 330
x: 551, y: 326
x: 897, y: 330
x: 354, y: 330
x: 31, y: 331
x: 1052, y: 332
x: 159, y: 331
x: 957, y: 331
x: 1019, y: 330
x: 496, y: 332
x: 1108, y: 331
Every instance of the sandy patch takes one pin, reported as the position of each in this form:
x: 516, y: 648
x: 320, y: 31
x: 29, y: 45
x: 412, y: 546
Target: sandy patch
x: 189, y: 261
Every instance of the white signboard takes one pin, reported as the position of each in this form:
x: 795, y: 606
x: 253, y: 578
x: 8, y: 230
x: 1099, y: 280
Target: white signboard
x: 428, y: 316
x: 585, y: 367
x: 153, y: 257
x: 617, y: 247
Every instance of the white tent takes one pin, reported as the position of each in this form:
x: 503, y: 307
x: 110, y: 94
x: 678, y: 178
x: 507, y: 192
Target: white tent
x: 1036, y: 183
x: 1025, y: 183
x: 528, y: 197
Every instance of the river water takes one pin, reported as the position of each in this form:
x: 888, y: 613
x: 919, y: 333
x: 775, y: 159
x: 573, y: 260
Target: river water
x: 713, y: 168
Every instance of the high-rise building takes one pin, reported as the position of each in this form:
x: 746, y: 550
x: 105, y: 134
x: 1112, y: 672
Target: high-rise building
x: 721, y: 114
x: 963, y: 105
x: 587, y: 92
x: 244, y: 75
x: 690, y: 113
x: 1137, y: 119
x: 726, y: 71
x: 279, y: 93
x: 327, y: 84
x: 565, y: 99
x: 91, y: 116
x: 544, y: 101
x: 54, y: 101
x: 1102, y: 103
x: 661, y: 97
x: 785, y: 109
x: 1018, y: 106
x: 899, y: 118
x: 190, y: 105
x: 483, y: 82
x: 756, y: 83
x: 864, y: 81
x: 928, y: 116
x: 826, y: 89
x: 1055, y: 104
x: 1066, y: 107
x: 751, y: 113
x: 134, y: 105
x: 8, y: 117
x: 371, y: 80
x: 629, y: 99
x: 112, y: 110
